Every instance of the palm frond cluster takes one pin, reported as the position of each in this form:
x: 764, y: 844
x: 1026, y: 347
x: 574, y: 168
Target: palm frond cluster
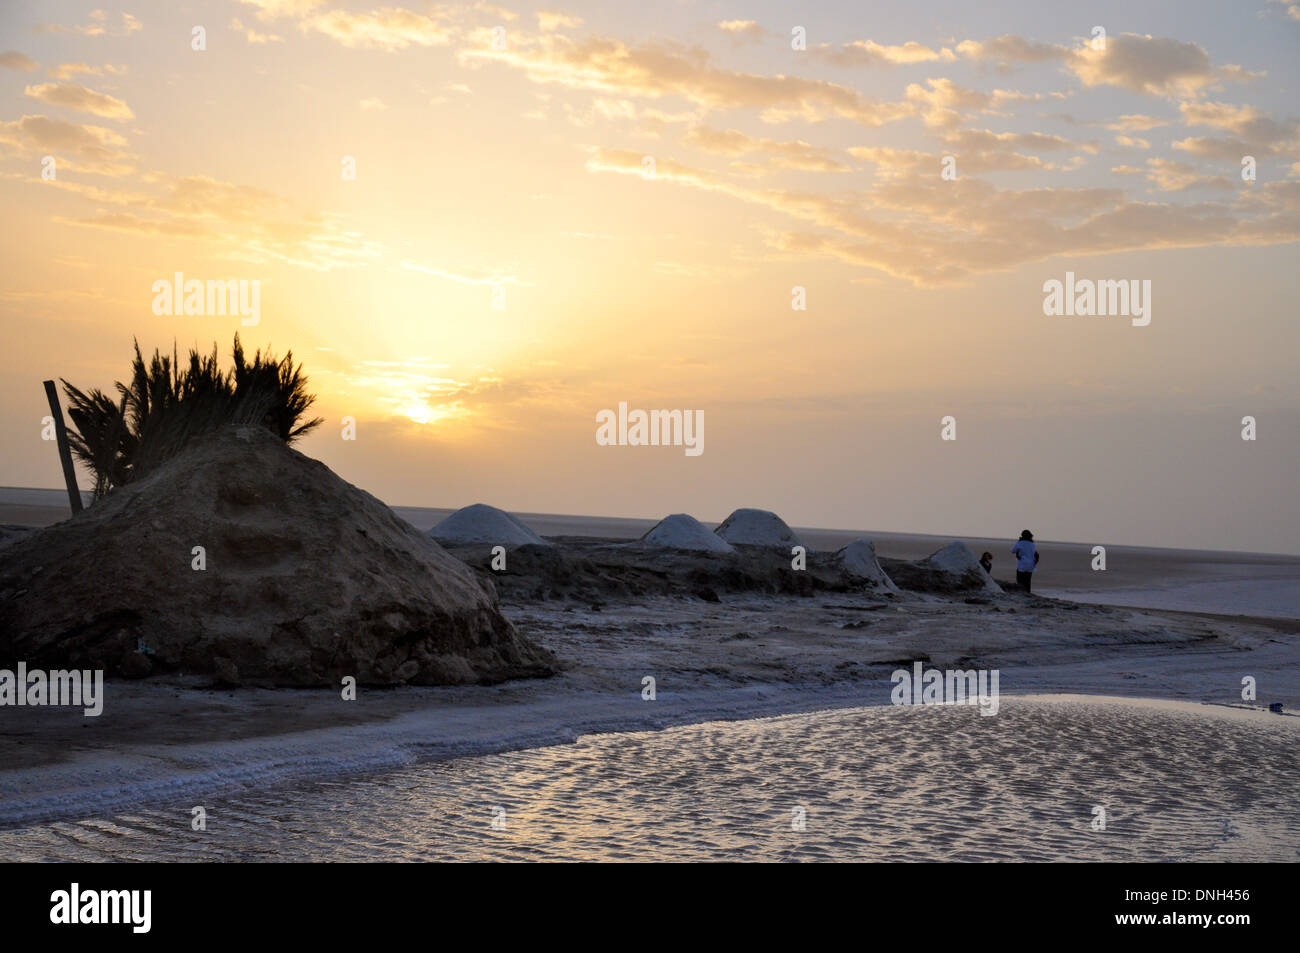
x: 166, y: 404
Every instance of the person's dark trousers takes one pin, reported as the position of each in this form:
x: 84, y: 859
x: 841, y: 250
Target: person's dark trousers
x: 1023, y: 579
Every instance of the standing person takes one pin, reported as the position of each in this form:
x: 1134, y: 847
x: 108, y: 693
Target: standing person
x: 987, y: 562
x: 1026, y: 559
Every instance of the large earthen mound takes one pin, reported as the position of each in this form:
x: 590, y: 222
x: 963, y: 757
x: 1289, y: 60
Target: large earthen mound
x: 306, y: 580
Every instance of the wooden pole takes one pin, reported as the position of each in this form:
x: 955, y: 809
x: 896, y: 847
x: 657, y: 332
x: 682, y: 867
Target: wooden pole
x: 65, y: 454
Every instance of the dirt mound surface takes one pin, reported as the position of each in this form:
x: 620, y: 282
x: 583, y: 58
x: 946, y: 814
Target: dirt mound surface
x: 302, y: 579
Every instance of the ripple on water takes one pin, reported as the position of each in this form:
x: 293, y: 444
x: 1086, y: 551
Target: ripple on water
x: 924, y: 783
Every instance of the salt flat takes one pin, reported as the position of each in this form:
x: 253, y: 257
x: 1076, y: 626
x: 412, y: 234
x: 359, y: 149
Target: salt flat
x: 724, y: 654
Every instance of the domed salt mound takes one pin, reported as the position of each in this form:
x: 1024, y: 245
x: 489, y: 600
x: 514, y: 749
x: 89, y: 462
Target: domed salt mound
x: 750, y: 527
x: 681, y: 531
x: 956, y: 559
x: 481, y: 523
x: 308, y: 579
x: 858, y: 559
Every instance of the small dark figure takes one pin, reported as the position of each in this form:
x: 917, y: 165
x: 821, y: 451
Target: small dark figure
x: 1026, y: 559
x: 987, y: 562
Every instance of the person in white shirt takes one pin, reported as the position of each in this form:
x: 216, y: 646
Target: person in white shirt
x: 1026, y: 559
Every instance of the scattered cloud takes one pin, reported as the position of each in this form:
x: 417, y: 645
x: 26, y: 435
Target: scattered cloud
x: 930, y: 231
x: 1136, y: 122
x: 941, y: 101
x: 65, y: 71
x: 100, y: 25
x: 72, y: 96
x: 742, y: 31
x: 1155, y: 66
x: 1133, y: 142
x: 1151, y: 65
x: 1009, y: 48
x: 12, y: 59
x: 1250, y: 132
x: 549, y: 21
x: 1169, y: 175
x: 871, y: 53
x: 390, y: 28
x: 1291, y: 9
x: 786, y: 155
x: 662, y: 70
x: 91, y: 148
x: 250, y: 34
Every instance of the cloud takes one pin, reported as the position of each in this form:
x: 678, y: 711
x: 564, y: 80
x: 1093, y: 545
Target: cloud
x: 98, y: 26
x: 985, y: 140
x: 892, y: 162
x: 871, y: 53
x: 1133, y: 142
x: 549, y: 21
x: 1150, y: 65
x: 94, y: 148
x: 1136, y: 122
x: 385, y: 28
x: 72, y: 96
x: 1169, y: 175
x: 1009, y: 48
x: 930, y: 231
x: 1292, y: 9
x: 389, y: 28
x: 1140, y: 63
x: 664, y: 70
x: 941, y: 101
x: 742, y: 31
x: 1252, y: 132
x: 68, y: 70
x: 785, y: 155
x: 976, y: 151
x: 128, y: 222
x: 203, y: 197
x: 274, y: 9
x: 374, y: 104
x: 253, y: 37
x: 12, y: 59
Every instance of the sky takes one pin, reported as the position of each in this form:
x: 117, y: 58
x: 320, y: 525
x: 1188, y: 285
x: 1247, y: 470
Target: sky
x: 479, y: 226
